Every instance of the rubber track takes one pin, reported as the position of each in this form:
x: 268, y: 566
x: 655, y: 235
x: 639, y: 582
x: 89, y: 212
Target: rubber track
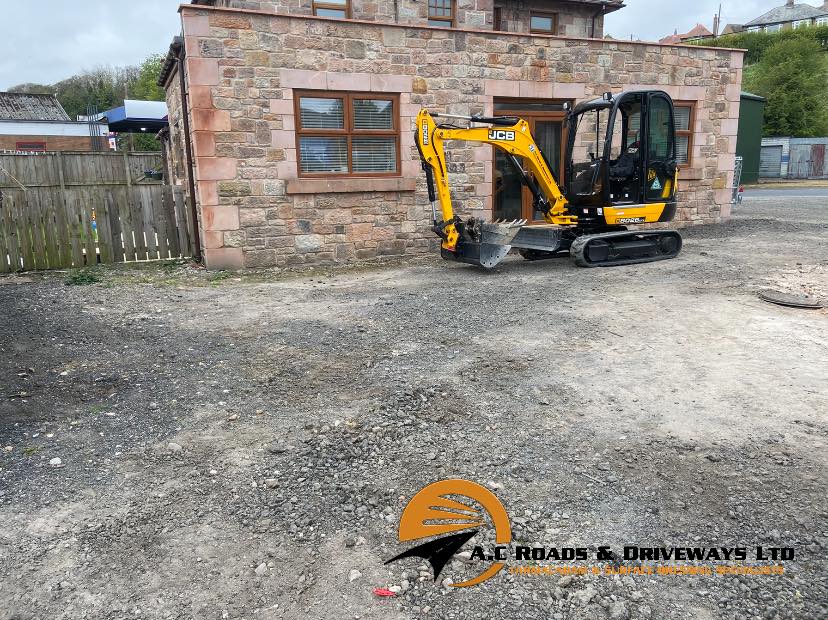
x: 576, y: 250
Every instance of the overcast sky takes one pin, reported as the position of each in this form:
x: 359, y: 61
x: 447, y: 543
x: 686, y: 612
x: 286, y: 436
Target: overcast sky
x: 46, y: 41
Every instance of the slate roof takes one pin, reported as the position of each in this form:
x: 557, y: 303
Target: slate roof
x: 787, y: 13
x: 26, y: 107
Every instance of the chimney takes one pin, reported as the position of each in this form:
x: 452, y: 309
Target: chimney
x: 790, y: 2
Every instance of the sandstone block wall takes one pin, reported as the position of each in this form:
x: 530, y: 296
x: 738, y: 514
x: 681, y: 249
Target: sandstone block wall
x: 243, y: 68
x: 573, y: 19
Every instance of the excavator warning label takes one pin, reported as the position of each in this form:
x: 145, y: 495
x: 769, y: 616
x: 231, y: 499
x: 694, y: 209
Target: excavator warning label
x: 499, y: 134
x: 656, y: 184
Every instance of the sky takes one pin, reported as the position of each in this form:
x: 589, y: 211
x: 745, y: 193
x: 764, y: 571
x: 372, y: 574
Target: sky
x: 45, y: 41
x: 650, y: 20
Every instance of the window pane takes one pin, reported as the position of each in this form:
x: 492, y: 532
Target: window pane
x: 373, y: 114
x: 339, y: 2
x: 329, y: 12
x: 659, y: 136
x: 319, y: 113
x: 318, y: 154
x: 440, y: 22
x: 538, y: 22
x: 374, y: 154
x: 682, y: 144
x: 682, y: 118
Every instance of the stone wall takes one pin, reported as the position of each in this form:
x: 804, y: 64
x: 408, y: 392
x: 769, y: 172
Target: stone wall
x: 573, y: 19
x: 243, y: 68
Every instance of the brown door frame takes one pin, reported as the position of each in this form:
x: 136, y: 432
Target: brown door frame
x: 531, y: 117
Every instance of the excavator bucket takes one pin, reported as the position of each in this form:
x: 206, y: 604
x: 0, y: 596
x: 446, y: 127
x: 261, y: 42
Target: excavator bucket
x: 485, y: 244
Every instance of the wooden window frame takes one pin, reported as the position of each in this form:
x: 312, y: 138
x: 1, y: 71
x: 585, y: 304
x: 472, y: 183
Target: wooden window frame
x: 348, y: 130
x: 333, y: 7
x: 25, y: 145
x: 532, y: 116
x: 450, y: 21
x: 688, y: 132
x: 497, y: 18
x: 553, y: 16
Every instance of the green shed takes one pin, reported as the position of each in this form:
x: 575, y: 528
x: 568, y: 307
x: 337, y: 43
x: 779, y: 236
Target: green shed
x: 749, y: 138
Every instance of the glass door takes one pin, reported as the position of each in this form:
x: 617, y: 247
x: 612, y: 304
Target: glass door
x: 511, y: 199
x: 548, y: 137
x: 661, y: 150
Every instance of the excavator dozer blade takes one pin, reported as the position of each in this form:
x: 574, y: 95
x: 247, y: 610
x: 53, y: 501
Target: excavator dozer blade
x: 486, y: 245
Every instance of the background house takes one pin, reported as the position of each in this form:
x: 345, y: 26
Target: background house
x: 789, y: 15
x: 39, y: 123
x: 697, y: 33
x: 300, y: 115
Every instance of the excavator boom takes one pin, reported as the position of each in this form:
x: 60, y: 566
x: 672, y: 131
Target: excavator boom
x: 606, y: 185
x: 476, y: 242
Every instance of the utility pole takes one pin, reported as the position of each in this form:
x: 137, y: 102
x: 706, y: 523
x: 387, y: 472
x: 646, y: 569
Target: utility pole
x: 717, y: 21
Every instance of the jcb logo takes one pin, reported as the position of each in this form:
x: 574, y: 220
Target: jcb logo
x: 498, y: 134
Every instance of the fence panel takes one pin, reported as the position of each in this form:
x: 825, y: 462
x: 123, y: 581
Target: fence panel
x: 60, y: 210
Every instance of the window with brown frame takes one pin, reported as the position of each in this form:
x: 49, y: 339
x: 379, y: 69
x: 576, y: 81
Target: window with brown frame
x: 30, y: 146
x: 543, y: 23
x: 497, y: 18
x: 441, y: 13
x: 347, y: 134
x: 685, y: 118
x: 332, y: 8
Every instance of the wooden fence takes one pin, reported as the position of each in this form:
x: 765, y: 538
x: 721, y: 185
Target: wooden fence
x: 61, y: 210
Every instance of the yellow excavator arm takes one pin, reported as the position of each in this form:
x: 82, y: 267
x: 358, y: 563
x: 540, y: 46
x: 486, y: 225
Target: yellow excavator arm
x: 510, y: 135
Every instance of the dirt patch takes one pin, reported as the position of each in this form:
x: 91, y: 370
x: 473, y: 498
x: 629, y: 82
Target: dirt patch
x: 241, y: 446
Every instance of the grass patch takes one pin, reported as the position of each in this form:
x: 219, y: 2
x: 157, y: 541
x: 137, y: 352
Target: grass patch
x: 82, y: 277
x: 220, y: 276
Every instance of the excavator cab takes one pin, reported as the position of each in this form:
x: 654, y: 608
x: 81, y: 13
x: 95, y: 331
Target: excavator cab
x: 621, y: 153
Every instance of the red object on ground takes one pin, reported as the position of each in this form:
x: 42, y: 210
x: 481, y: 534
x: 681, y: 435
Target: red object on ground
x: 741, y: 188
x: 383, y: 592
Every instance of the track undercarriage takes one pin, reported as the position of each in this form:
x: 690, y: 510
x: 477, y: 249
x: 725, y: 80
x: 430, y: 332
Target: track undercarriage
x: 486, y: 244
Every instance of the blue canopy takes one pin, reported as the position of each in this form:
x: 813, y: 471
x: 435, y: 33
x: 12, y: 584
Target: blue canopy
x: 138, y: 117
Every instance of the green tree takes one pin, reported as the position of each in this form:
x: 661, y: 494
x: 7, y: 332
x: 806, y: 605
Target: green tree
x: 793, y: 75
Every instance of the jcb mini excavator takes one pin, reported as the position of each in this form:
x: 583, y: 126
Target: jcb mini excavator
x: 620, y: 169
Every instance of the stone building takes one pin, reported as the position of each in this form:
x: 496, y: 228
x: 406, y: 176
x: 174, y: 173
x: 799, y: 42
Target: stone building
x: 301, y: 115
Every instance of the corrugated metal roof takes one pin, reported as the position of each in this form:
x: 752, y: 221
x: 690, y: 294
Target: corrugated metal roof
x: 26, y: 107
x: 787, y: 13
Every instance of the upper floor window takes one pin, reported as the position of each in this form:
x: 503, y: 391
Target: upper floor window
x: 497, y: 18
x: 332, y: 8
x: 441, y: 13
x: 545, y: 23
x: 350, y: 134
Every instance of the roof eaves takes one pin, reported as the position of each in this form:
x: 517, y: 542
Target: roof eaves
x: 171, y: 60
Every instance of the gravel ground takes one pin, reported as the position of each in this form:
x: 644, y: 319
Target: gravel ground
x: 242, y: 446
